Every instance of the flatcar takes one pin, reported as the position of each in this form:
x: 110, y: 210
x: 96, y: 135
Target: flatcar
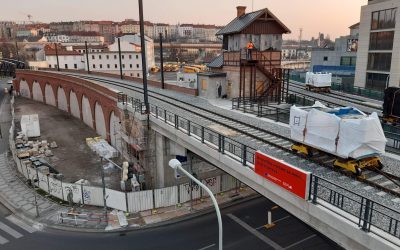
x: 353, y: 139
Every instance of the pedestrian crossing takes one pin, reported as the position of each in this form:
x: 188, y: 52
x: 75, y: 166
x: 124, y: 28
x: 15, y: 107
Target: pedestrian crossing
x: 12, y: 229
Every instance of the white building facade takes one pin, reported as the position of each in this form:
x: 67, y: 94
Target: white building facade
x: 378, y: 56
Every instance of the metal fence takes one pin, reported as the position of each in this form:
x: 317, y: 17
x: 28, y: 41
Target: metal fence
x: 347, y: 88
x: 368, y: 215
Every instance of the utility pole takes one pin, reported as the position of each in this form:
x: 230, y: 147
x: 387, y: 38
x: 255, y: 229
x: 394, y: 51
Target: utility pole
x: 104, y: 189
x: 58, y: 64
x: 87, y: 57
x: 120, y: 59
x: 162, y: 61
x: 16, y: 48
x: 144, y: 66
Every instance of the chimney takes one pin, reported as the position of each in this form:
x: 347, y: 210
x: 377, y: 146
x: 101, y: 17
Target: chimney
x: 241, y: 10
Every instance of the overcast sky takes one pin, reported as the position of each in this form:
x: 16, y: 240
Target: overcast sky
x: 329, y: 17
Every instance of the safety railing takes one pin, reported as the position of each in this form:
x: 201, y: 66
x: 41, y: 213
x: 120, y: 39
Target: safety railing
x: 373, y: 94
x: 368, y: 215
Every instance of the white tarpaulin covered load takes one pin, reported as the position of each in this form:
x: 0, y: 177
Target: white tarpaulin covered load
x: 319, y: 79
x: 345, y: 132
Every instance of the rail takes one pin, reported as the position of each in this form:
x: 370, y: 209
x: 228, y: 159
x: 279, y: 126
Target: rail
x: 368, y: 215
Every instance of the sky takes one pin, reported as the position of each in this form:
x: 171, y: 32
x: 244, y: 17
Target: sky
x: 313, y: 16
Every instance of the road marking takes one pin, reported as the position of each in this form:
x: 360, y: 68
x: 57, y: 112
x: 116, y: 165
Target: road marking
x: 255, y: 232
x: 10, y: 231
x: 207, y: 247
x: 3, y: 240
x: 301, y: 241
x: 21, y: 224
x: 275, y: 221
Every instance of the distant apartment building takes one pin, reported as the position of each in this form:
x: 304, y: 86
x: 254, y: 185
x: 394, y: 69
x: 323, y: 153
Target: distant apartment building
x: 185, y: 30
x: 61, y: 26
x: 74, y: 37
x: 162, y: 28
x: 378, y: 56
x: 104, y: 58
x: 7, y: 29
x: 340, y: 60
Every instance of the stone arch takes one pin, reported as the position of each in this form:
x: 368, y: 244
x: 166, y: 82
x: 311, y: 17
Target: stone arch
x: 62, y: 99
x: 49, y: 95
x: 115, y: 136
x: 74, y: 105
x: 37, y: 93
x: 24, y: 89
x: 87, y: 116
x: 100, y: 121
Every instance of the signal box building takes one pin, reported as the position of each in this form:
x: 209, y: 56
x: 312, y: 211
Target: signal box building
x: 249, y: 77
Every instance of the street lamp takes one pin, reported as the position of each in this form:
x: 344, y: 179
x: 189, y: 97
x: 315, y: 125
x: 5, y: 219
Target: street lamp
x: 175, y: 164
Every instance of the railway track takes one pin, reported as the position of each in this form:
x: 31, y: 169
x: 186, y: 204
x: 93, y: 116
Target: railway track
x: 354, y: 101
x: 384, y: 181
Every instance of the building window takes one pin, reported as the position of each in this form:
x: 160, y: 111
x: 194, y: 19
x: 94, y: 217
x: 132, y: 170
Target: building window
x: 383, y: 19
x: 379, y: 61
x: 325, y: 58
x: 131, y: 74
x: 75, y: 66
x: 130, y: 65
x: 348, y: 61
x: 101, y: 66
x: 130, y: 56
x: 92, y: 56
x: 115, y: 56
x: 123, y: 66
x: 137, y: 56
x: 99, y: 56
x: 138, y: 75
x: 49, y: 66
x: 115, y: 65
x: 108, y: 66
x: 137, y: 65
x: 94, y: 66
x: 377, y: 81
x: 381, y: 40
x: 107, y: 56
x: 123, y: 57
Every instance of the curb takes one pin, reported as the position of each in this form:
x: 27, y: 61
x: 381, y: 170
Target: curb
x: 158, y: 224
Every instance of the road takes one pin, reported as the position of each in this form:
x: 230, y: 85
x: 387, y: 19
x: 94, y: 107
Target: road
x: 243, y: 227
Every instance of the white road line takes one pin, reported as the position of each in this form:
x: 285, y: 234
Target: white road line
x: 21, y: 224
x: 207, y: 247
x: 3, y: 240
x: 275, y: 221
x: 301, y: 241
x: 10, y: 231
x: 255, y: 232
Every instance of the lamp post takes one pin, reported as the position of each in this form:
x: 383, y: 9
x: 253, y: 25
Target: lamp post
x: 175, y: 164
x: 120, y: 59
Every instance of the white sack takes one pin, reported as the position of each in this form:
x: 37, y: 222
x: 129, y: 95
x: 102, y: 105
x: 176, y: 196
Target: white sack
x: 298, y: 118
x: 361, y: 137
x: 322, y: 130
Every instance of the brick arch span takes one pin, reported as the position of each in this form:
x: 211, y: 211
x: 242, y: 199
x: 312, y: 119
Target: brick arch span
x: 105, y: 97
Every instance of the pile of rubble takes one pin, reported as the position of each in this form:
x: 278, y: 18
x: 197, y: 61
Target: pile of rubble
x: 37, y: 148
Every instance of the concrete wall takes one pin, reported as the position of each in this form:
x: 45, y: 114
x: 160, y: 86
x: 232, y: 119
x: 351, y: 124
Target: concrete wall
x: 24, y: 89
x: 86, y: 112
x: 37, y: 92
x: 100, y: 122
x: 49, y: 94
x: 62, y: 99
x: 74, y: 105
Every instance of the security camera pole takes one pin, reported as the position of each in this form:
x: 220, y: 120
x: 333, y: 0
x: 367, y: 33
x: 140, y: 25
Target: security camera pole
x: 143, y: 49
x: 175, y: 164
